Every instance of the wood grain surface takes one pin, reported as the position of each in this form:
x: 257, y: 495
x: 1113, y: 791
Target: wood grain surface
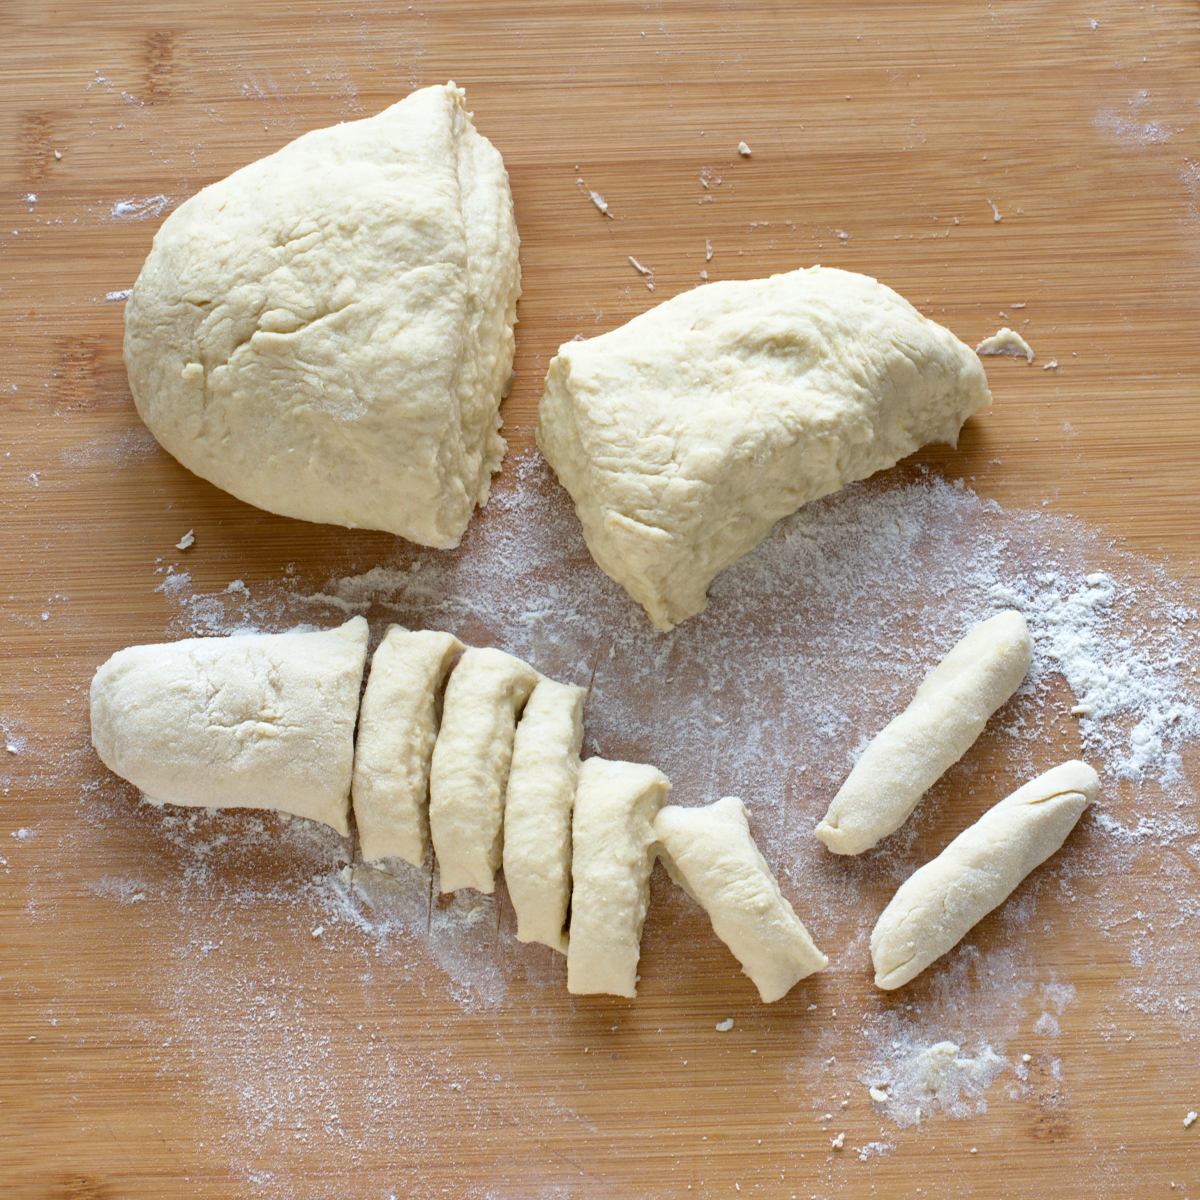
x: 901, y: 125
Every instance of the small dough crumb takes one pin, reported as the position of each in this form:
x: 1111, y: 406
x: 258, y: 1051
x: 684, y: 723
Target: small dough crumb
x: 838, y: 1142
x: 726, y: 1025
x: 744, y: 150
x: 318, y: 930
x: 1052, y: 365
x: 1006, y: 341
x: 1190, y: 1119
x: 996, y: 215
x: 187, y: 541
x: 878, y: 1094
x: 600, y: 202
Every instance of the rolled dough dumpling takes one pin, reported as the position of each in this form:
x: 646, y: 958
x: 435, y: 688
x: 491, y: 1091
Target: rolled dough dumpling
x: 945, y: 717
x: 710, y: 853
x: 940, y: 902
x: 537, y: 811
x: 397, y: 726
x: 611, y: 860
x: 469, y: 771
x: 684, y: 435
x: 251, y: 721
x: 327, y: 332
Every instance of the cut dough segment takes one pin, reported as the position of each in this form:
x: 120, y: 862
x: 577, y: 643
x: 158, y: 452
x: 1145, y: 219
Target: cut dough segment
x: 711, y: 854
x: 684, y: 435
x: 251, y: 721
x: 327, y: 332
x: 537, y: 811
x: 939, y: 726
x: 936, y: 906
x: 471, y: 759
x: 397, y: 725
x: 611, y: 860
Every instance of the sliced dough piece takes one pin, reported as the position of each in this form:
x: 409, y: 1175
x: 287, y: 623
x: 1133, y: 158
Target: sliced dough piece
x: 397, y: 726
x: 471, y: 759
x: 937, y: 905
x: 537, y: 811
x: 939, y: 726
x: 327, y: 332
x: 611, y: 859
x: 251, y: 721
x: 684, y: 435
x: 710, y: 853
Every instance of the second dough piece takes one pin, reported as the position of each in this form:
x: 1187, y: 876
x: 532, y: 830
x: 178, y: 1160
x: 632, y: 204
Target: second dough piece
x: 537, y: 812
x: 611, y: 861
x: 471, y: 759
x: 397, y: 726
x: 939, y: 903
x: 709, y: 852
x: 945, y: 717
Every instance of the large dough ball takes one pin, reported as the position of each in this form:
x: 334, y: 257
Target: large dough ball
x: 684, y: 435
x: 327, y: 333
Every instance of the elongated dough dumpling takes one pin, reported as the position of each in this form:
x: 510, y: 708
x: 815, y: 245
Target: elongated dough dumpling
x: 936, y: 905
x: 946, y: 715
x: 471, y: 760
x: 611, y: 859
x: 537, y: 811
x: 710, y: 853
x: 251, y: 721
x: 397, y: 726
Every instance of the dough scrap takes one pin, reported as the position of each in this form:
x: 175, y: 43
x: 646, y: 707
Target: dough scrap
x: 611, y: 859
x: 327, y: 332
x: 250, y: 721
x: 711, y: 854
x: 537, y: 811
x: 945, y: 717
x: 940, y: 902
x: 684, y: 435
x: 397, y: 726
x: 471, y: 759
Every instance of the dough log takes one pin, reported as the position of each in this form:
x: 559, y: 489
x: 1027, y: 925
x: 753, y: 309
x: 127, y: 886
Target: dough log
x: 612, y: 856
x: 684, y: 435
x: 710, y: 853
x: 397, y: 726
x: 327, y: 333
x: 946, y: 716
x: 471, y: 760
x: 937, y: 905
x: 537, y: 811
x: 252, y: 721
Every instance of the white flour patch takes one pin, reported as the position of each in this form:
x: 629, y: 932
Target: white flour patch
x: 140, y: 209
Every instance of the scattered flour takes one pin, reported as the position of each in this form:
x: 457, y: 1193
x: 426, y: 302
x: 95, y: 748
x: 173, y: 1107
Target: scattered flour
x: 140, y: 210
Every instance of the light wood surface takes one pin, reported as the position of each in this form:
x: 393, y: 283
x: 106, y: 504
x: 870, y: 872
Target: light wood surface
x: 899, y: 124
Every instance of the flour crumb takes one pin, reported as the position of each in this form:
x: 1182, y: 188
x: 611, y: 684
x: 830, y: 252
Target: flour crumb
x: 1007, y: 342
x: 842, y: 236
x: 838, y: 1142
x: 1093, y: 23
x: 878, y: 1094
x: 187, y: 541
x: 997, y: 216
x: 744, y: 150
x: 317, y: 931
x: 646, y: 272
x: 708, y: 251
x: 121, y: 294
x: 724, y: 1026
x: 1190, y: 1119
x: 24, y: 834
x: 1052, y: 365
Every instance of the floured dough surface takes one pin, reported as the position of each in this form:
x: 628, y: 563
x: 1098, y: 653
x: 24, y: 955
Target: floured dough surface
x: 612, y: 857
x: 940, y: 902
x: 537, y: 812
x: 468, y: 774
x: 327, y: 332
x: 251, y: 721
x: 397, y: 727
x: 684, y: 435
x: 711, y: 854
x: 945, y: 717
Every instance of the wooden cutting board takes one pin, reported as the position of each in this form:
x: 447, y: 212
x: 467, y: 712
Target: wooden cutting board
x: 1034, y: 159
